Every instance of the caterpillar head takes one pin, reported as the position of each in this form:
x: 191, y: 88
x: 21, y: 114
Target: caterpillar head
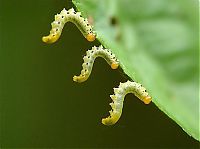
x: 147, y: 99
x: 91, y: 37
x: 114, y: 65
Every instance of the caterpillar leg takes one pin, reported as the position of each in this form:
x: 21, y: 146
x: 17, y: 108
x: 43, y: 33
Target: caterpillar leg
x: 118, y: 99
x: 89, y: 59
x: 69, y: 16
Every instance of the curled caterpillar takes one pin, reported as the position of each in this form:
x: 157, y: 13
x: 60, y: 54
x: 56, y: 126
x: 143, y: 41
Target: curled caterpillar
x: 69, y: 16
x: 89, y: 59
x: 118, y: 99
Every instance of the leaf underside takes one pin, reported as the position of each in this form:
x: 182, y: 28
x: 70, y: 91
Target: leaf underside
x: 156, y: 43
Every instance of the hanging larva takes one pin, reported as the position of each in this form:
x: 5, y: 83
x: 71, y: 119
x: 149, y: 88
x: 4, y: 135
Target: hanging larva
x: 69, y: 16
x: 118, y: 99
x: 89, y: 59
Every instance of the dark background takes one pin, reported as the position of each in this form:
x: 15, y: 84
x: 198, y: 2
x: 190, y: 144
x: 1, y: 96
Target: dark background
x: 40, y: 105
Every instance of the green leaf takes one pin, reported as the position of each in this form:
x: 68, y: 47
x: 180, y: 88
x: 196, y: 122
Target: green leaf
x: 156, y: 43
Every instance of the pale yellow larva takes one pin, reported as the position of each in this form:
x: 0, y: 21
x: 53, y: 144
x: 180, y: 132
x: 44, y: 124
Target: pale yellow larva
x: 69, y: 16
x: 89, y: 59
x: 118, y: 99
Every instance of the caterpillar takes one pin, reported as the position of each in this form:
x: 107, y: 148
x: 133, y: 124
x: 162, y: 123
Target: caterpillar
x: 89, y: 59
x: 69, y: 16
x: 118, y: 98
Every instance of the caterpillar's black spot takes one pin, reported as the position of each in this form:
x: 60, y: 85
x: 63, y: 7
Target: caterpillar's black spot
x: 58, y: 22
x: 62, y: 17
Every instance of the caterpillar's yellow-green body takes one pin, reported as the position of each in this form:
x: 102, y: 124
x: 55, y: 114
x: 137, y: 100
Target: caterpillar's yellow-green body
x: 69, y: 16
x: 89, y: 59
x: 118, y: 99
x: 87, y: 31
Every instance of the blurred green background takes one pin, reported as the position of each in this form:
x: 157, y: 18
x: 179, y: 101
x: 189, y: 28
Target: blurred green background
x: 41, y: 107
